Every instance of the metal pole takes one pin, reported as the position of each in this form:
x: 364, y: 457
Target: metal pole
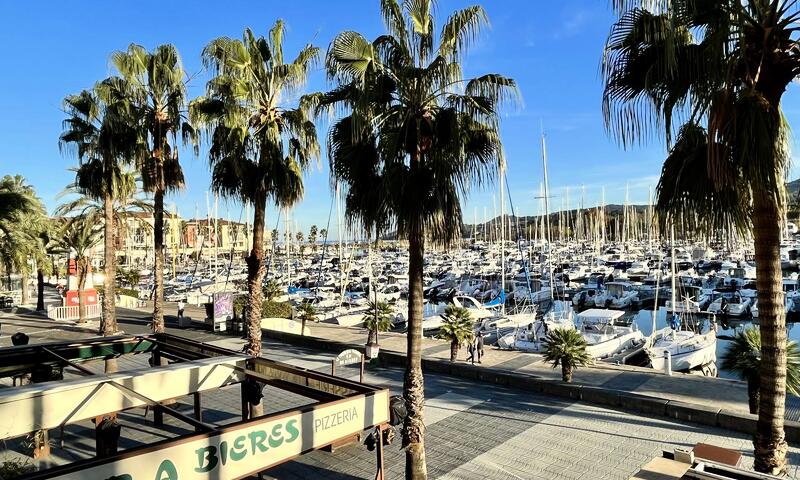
x: 361, y: 377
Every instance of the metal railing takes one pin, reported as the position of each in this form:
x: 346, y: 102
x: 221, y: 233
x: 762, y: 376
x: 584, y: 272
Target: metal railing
x: 71, y: 312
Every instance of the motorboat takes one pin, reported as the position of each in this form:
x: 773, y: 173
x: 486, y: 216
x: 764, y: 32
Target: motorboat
x: 729, y: 302
x: 617, y: 295
x: 607, y: 333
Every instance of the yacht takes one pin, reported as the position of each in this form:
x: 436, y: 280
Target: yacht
x: 607, y: 333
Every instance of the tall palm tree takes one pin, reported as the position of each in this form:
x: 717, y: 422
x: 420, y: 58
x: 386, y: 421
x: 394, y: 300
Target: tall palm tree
x: 259, y: 145
x: 414, y: 137
x: 153, y: 86
x: 743, y: 357
x: 457, y: 328
x: 99, y: 133
x: 126, y: 203
x: 712, y: 75
x: 77, y: 237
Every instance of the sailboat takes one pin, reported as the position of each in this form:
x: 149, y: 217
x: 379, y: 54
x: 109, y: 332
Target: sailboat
x: 532, y: 336
x: 681, y: 343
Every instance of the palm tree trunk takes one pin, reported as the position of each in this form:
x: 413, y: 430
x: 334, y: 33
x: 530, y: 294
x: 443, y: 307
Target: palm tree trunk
x: 255, y: 277
x: 454, y: 350
x: 413, y: 382
x: 566, y: 372
x: 26, y: 294
x: 81, y: 265
x: 770, y: 441
x: 158, y: 268
x: 753, y: 393
x: 372, y: 337
x: 255, y: 280
x: 109, y: 326
x: 39, y: 289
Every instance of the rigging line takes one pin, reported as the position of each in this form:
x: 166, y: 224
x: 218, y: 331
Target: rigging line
x: 516, y: 229
x: 325, y: 242
x: 274, y: 242
x: 233, y: 246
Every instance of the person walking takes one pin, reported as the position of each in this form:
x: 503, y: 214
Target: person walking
x: 479, y: 346
x: 471, y: 350
x: 181, y: 306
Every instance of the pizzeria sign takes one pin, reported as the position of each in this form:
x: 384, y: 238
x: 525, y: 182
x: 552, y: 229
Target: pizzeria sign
x: 244, y: 449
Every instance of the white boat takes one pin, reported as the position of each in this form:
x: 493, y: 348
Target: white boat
x: 687, y: 349
x: 690, y: 299
x: 533, y: 336
x: 730, y: 303
x: 606, y: 333
x: 617, y: 295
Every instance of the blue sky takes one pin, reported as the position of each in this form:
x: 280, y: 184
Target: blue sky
x: 552, y: 49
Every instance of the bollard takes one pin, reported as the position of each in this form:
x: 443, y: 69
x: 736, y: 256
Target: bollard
x: 668, y: 363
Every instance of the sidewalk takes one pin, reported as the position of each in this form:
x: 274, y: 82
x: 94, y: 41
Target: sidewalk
x: 722, y: 393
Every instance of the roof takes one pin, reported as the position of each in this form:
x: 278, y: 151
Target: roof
x: 600, y: 314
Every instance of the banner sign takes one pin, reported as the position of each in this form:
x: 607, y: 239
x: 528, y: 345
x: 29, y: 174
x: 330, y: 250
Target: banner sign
x: 242, y: 450
x: 348, y: 357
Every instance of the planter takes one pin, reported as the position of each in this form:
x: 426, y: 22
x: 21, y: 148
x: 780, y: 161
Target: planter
x: 372, y: 350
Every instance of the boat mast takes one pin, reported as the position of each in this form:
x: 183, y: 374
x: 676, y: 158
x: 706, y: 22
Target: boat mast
x: 502, y: 238
x: 547, y: 217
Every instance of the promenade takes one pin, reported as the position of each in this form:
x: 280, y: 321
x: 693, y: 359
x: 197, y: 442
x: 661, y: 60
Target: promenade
x: 474, y: 429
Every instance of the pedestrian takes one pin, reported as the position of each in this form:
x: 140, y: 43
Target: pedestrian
x: 479, y: 346
x: 181, y: 306
x: 471, y: 350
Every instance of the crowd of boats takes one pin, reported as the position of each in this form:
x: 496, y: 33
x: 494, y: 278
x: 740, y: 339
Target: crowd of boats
x: 518, y: 292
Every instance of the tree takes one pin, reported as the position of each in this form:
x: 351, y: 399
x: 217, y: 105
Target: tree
x: 259, y: 146
x: 566, y: 347
x: 743, y: 357
x: 457, y: 328
x: 99, y: 132
x: 712, y: 75
x: 307, y: 313
x: 152, y: 86
x: 126, y: 202
x: 271, y: 290
x: 312, y: 238
x: 299, y: 237
x: 377, y: 319
x: 413, y: 137
x: 23, y: 228
x: 324, y: 234
x: 77, y: 237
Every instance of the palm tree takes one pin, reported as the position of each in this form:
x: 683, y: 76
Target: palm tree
x: 153, y: 87
x: 299, y: 237
x: 566, y: 347
x: 77, y: 237
x: 312, y: 238
x: 307, y: 313
x: 23, y: 227
x: 377, y: 319
x: 743, y: 357
x: 457, y: 327
x: 99, y: 133
x: 324, y: 234
x: 712, y: 75
x: 259, y: 146
x: 414, y: 137
x: 271, y: 290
